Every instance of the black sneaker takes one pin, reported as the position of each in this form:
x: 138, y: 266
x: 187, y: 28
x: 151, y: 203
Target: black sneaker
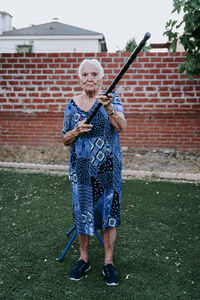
x: 79, y: 270
x: 110, y: 274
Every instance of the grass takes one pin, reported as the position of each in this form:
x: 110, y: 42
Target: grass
x: 157, y: 250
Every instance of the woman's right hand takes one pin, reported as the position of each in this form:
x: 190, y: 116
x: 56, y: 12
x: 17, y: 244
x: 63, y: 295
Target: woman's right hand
x: 70, y: 137
x: 82, y: 127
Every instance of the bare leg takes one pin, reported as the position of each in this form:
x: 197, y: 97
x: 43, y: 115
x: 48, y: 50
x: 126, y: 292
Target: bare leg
x: 84, y: 243
x: 109, y: 237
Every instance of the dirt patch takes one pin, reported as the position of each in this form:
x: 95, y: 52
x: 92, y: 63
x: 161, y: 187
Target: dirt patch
x: 37, y: 155
x: 134, y: 159
x: 162, y: 161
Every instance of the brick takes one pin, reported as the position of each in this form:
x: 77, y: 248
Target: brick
x: 71, y: 60
x: 18, y: 107
x: 48, y: 100
x: 149, y: 65
x: 30, y: 66
x: 156, y: 82
x: 57, y: 95
x: 16, y: 89
x: 131, y: 82
x: 146, y: 76
x: 150, y: 88
x: 43, y: 107
x: 30, y: 77
x: 59, y: 71
x: 37, y: 82
x: 163, y: 76
x: 47, y: 60
x: 23, y: 71
x: 59, y: 60
x: 6, y: 66
x: 13, y: 71
x: 48, y: 82
x: 44, y: 95
x: 161, y: 105
x: 54, y: 66
x: 36, y: 71
x: 32, y: 107
x: 54, y: 88
x: 177, y: 94
x: 42, y: 66
x: 22, y: 94
x: 150, y: 54
x: 66, y: 88
x: 65, y: 54
x: 33, y: 94
x: 3, y: 100
x: 6, y: 77
x: 52, y: 55
x: 29, y: 88
x: 154, y: 71
x: 36, y: 60
x: 39, y: 100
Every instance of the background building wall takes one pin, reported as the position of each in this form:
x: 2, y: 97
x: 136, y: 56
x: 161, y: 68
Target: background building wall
x: 44, y: 44
x: 162, y: 107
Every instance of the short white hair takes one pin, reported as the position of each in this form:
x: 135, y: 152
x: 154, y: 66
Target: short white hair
x: 94, y: 62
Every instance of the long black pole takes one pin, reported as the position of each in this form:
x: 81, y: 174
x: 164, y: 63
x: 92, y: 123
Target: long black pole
x: 121, y: 73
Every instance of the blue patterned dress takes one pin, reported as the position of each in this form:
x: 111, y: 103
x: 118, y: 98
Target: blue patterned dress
x: 94, y: 170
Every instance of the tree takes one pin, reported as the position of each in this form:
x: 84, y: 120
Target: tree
x: 131, y: 45
x: 190, y: 38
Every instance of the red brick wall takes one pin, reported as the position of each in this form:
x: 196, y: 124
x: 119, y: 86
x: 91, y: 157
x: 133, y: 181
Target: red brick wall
x: 162, y: 106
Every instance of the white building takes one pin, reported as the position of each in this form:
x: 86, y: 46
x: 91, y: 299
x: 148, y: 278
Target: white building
x: 49, y: 37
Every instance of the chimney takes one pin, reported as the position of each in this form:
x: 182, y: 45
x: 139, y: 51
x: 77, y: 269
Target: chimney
x: 5, y: 22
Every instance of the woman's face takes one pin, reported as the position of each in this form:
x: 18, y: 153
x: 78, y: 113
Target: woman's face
x: 90, y: 80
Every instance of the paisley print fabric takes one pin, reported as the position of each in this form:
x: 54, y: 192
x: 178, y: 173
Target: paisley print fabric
x: 94, y: 170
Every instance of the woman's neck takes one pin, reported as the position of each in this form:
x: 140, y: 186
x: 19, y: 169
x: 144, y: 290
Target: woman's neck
x: 90, y: 96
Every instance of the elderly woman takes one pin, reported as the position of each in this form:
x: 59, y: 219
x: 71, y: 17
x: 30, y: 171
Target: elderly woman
x: 95, y: 166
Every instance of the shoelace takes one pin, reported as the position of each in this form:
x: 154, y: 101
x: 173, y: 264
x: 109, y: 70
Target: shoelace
x: 81, y: 267
x: 109, y: 270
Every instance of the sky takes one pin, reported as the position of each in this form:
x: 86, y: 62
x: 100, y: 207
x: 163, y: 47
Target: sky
x: 118, y: 20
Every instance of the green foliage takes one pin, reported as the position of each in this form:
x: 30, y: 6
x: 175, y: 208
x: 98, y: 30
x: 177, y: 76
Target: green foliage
x: 131, y: 45
x: 190, y: 38
x: 25, y: 48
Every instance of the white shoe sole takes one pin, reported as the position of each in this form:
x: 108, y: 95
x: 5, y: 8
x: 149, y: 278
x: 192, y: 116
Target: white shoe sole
x: 77, y: 279
x: 109, y: 284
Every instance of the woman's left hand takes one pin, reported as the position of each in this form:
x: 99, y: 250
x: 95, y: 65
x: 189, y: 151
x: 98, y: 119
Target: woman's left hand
x: 117, y: 119
x: 104, y: 99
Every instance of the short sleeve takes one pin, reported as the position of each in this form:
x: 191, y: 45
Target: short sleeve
x: 67, y: 119
x: 116, y: 101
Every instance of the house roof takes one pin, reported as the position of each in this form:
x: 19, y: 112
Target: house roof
x: 52, y: 28
x: 4, y: 13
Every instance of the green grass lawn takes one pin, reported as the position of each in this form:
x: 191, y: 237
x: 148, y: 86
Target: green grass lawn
x: 157, y: 252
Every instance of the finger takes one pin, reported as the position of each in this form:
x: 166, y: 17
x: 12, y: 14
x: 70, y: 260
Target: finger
x: 105, y: 103
x: 86, y: 129
x: 85, y: 126
x: 110, y: 95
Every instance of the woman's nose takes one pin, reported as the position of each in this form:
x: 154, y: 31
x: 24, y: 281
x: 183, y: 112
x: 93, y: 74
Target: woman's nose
x: 90, y: 77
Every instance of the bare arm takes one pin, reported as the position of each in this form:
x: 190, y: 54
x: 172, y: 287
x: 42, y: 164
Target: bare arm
x: 116, y: 118
x: 70, y: 137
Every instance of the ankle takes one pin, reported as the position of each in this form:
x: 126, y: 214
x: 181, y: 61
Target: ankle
x: 107, y: 262
x: 85, y: 259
